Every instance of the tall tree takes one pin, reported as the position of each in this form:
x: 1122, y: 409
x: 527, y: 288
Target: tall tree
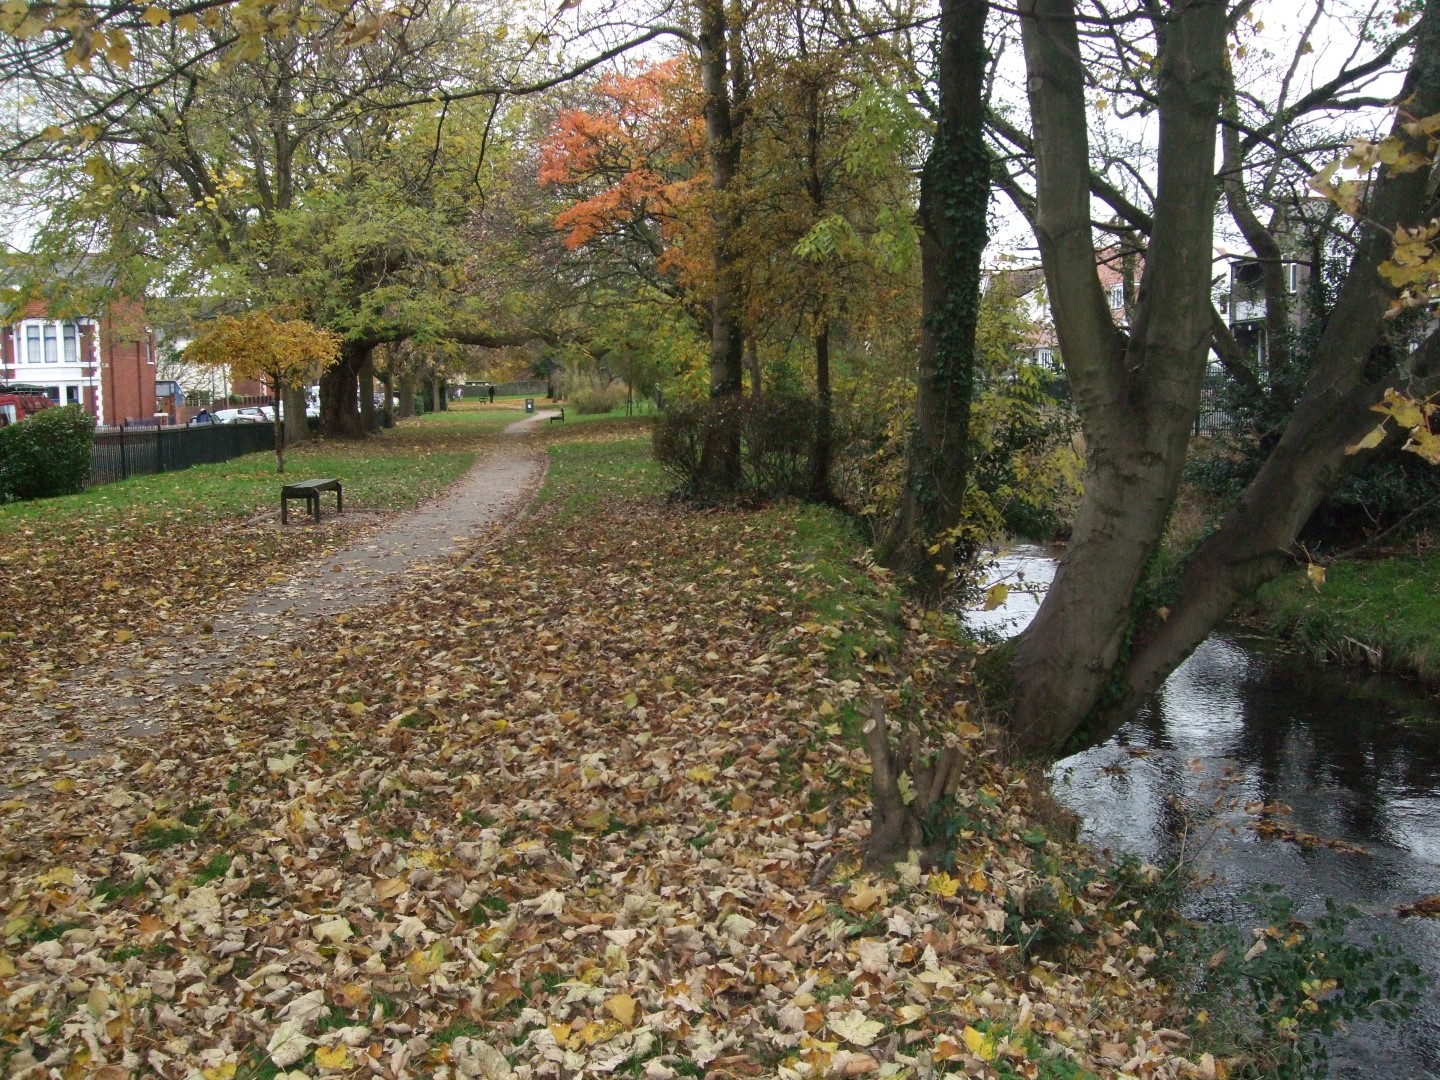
x: 954, y: 200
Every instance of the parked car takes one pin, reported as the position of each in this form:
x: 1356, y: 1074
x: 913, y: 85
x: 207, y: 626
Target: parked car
x: 250, y: 414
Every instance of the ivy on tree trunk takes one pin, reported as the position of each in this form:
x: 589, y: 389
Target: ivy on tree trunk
x: 954, y: 199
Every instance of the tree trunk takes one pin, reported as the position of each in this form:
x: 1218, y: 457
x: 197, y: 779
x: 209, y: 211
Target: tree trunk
x: 277, y: 395
x: 339, y: 415
x: 297, y: 424
x: 1137, y: 399
x: 954, y: 198
x: 367, y: 393
x: 387, y: 407
x: 1272, y: 268
x: 822, y: 451
x: 752, y: 364
x: 444, y: 398
x: 434, y: 393
x: 722, y: 142
x: 408, y: 389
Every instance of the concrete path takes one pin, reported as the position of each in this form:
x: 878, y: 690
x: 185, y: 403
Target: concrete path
x: 83, y: 713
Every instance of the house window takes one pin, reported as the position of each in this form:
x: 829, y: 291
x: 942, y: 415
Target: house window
x: 52, y: 342
x: 32, y: 343
x: 70, y: 336
x: 1117, y: 296
x: 1045, y: 356
x: 1292, y: 277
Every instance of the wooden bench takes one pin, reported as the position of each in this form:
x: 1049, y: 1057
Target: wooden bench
x: 309, y: 490
x: 562, y: 413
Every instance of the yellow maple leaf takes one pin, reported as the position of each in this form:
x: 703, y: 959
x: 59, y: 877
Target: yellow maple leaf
x: 942, y: 884
x: 622, y: 1008
x: 332, y: 1057
x: 979, y: 1043
x: 224, y: 1071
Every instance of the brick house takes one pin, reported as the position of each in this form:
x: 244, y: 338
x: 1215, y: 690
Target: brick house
x: 106, y: 365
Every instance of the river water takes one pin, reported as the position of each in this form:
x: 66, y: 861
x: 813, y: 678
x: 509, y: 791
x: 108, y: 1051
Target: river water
x: 1355, y: 758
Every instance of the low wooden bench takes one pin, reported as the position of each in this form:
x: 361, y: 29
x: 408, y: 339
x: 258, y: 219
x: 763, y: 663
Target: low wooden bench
x: 562, y: 413
x: 309, y: 490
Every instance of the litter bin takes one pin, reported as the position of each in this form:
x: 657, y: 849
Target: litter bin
x: 529, y: 404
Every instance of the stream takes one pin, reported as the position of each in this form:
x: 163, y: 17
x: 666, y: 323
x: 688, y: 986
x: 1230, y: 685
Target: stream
x: 1355, y: 757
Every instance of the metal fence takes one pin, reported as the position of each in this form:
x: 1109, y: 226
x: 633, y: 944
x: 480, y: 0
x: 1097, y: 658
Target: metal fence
x: 140, y: 451
x: 1214, y: 417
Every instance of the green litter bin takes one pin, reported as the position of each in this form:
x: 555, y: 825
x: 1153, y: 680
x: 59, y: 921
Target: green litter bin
x: 529, y: 404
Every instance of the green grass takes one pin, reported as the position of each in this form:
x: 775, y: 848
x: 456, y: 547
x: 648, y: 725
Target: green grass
x: 1386, y: 605
x: 640, y: 410
x: 585, y: 474
x: 393, y: 471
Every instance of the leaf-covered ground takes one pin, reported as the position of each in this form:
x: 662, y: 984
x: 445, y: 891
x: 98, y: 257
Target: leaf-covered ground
x: 587, y: 807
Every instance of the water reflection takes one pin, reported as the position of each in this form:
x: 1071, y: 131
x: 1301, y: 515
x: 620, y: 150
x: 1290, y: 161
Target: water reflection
x: 1356, y: 759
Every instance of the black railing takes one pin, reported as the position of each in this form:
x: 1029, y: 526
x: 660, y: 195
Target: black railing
x: 141, y: 451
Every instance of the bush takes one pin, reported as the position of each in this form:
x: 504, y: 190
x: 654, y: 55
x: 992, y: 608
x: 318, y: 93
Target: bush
x: 595, y: 401
x: 774, y: 434
x: 46, y: 454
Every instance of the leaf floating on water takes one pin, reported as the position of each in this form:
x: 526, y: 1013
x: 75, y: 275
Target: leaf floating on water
x: 1428, y: 908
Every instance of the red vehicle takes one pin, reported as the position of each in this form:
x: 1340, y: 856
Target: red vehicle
x: 18, y: 402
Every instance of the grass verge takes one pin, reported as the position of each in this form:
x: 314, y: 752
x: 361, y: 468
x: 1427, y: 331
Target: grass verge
x: 1381, y: 613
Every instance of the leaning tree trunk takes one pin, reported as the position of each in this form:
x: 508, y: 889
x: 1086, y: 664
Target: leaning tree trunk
x: 1137, y: 399
x: 954, y: 197
x: 339, y: 415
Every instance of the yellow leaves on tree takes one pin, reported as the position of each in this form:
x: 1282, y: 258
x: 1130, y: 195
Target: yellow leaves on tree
x: 256, y: 345
x: 1411, y: 416
x: 1413, y: 268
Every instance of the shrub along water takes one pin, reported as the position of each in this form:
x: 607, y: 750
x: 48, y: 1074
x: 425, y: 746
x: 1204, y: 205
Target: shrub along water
x: 46, y: 454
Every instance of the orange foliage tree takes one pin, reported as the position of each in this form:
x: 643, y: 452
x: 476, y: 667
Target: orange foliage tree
x: 633, y: 165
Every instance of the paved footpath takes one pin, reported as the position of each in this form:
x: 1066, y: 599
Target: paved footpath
x: 84, y: 713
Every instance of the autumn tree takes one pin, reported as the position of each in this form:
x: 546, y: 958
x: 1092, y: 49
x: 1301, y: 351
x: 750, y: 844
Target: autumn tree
x: 280, y: 352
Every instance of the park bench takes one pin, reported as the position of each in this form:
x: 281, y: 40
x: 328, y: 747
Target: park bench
x: 561, y: 416
x: 309, y: 490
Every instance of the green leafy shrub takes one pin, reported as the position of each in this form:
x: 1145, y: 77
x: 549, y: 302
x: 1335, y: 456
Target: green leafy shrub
x: 775, y: 435
x: 46, y: 454
x: 595, y: 401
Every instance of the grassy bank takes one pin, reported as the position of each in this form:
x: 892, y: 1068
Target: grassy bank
x: 588, y: 805
x: 1381, y: 612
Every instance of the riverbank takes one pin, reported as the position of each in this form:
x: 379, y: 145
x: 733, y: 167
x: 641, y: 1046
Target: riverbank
x: 1379, y: 612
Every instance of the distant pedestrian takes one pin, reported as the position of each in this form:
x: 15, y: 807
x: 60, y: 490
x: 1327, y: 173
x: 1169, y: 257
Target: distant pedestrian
x: 492, y: 393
